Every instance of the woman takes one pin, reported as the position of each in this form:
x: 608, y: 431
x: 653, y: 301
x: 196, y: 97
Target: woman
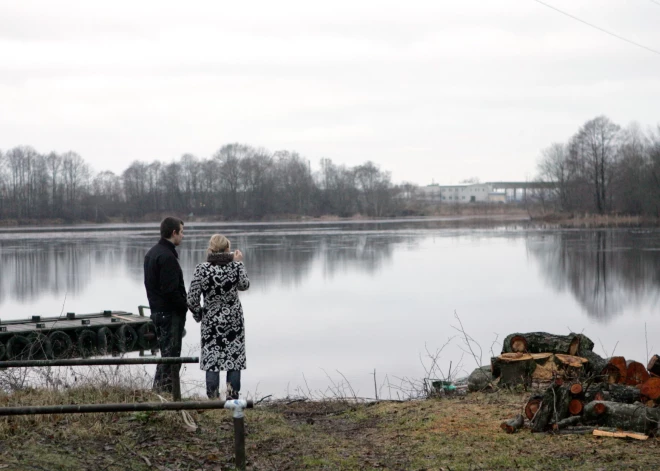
x: 223, y: 334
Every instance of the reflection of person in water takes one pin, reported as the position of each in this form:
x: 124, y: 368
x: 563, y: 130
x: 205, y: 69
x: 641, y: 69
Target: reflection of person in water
x: 218, y: 280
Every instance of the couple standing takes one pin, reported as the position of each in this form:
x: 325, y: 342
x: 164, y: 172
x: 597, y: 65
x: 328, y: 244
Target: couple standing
x: 218, y: 280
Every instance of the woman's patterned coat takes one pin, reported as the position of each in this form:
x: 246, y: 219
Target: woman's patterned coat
x: 223, y: 331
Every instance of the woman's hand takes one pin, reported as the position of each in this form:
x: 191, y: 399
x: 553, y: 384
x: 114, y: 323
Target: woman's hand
x: 238, y: 256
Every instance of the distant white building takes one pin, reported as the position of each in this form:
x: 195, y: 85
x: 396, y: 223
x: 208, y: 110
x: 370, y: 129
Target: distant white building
x: 461, y: 193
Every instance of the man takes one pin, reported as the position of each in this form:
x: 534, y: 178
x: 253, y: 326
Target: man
x: 163, y: 279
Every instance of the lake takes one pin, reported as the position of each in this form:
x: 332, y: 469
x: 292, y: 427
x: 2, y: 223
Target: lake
x: 331, y: 302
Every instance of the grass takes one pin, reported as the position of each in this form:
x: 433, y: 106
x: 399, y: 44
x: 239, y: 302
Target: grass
x: 434, y: 434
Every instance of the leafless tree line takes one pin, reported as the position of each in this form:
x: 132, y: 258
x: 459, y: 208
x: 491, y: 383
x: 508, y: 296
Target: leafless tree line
x: 604, y: 168
x: 237, y: 182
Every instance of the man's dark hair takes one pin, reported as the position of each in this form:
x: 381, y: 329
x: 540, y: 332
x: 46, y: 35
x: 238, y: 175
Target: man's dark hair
x: 169, y: 225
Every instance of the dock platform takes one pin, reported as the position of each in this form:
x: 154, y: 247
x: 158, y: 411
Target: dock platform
x: 76, y: 335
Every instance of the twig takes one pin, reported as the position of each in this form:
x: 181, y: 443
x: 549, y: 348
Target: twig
x: 262, y: 399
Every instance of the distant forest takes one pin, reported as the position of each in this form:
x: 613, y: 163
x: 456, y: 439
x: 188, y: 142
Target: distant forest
x: 237, y: 182
x: 602, y: 168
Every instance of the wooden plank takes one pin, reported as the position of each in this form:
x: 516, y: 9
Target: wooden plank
x: 636, y: 436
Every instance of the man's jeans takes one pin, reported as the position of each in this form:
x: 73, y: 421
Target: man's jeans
x: 169, y: 328
x: 213, y: 384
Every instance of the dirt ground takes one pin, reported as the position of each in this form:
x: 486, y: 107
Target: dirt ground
x: 434, y: 434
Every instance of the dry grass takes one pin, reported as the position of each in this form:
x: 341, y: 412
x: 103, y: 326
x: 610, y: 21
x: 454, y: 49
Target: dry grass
x: 435, y: 434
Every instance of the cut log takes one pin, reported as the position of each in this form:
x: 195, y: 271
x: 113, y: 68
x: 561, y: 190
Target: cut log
x: 615, y: 370
x: 635, y: 436
x: 594, y: 392
x: 635, y: 373
x: 624, y: 394
x: 532, y: 406
x: 596, y: 362
x: 567, y: 422
x: 540, y: 342
x: 480, y: 379
x: 570, y: 360
x: 629, y: 417
x: 554, y: 408
x: 651, y: 388
x: 570, y: 365
x: 654, y: 365
x: 576, y: 389
x: 575, y: 407
x: 518, y: 343
x: 513, y: 425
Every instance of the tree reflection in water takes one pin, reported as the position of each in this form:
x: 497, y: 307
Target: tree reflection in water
x: 608, y: 271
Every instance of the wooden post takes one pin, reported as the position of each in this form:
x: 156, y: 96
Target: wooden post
x: 237, y: 406
x: 239, y: 442
x: 176, y: 383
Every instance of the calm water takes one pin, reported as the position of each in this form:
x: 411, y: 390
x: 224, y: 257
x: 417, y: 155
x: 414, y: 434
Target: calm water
x: 338, y: 300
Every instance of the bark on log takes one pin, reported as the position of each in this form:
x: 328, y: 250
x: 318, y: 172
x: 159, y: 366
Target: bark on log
x: 651, y: 388
x: 480, y: 379
x: 495, y: 367
x: 532, y: 406
x: 568, y: 422
x: 654, y: 365
x: 554, y: 408
x: 624, y: 394
x: 635, y: 373
x: 594, y: 392
x: 541, y: 342
x: 629, y: 417
x: 596, y: 363
x: 513, y: 425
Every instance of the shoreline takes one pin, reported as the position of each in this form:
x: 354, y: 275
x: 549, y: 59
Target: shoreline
x: 545, y: 221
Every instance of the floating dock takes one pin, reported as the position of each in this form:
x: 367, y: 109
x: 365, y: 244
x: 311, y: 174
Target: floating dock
x: 77, y: 335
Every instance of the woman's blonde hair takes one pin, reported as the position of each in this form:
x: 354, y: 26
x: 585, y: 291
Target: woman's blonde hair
x: 218, y: 243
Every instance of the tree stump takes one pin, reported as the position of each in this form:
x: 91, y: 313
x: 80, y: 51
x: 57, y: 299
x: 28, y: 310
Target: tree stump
x: 516, y: 368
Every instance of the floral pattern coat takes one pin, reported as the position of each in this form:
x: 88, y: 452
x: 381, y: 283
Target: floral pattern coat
x: 223, y: 330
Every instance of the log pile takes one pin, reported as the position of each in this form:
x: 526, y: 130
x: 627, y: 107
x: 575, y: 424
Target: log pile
x: 584, y: 393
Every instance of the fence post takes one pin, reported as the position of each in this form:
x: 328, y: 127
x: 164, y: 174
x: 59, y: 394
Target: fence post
x: 237, y: 405
x: 176, y: 383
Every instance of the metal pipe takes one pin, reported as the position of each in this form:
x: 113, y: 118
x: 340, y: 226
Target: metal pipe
x: 131, y: 407
x: 99, y: 361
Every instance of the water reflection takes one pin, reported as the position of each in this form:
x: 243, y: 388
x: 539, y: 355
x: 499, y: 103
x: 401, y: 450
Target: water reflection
x: 33, y: 267
x: 607, y: 271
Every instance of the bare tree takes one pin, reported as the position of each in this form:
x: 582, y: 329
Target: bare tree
x: 596, y: 144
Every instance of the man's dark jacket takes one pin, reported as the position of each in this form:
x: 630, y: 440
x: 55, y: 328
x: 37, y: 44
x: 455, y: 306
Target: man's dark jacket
x: 163, y: 279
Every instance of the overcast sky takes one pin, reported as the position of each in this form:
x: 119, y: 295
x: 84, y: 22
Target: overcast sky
x: 429, y: 90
